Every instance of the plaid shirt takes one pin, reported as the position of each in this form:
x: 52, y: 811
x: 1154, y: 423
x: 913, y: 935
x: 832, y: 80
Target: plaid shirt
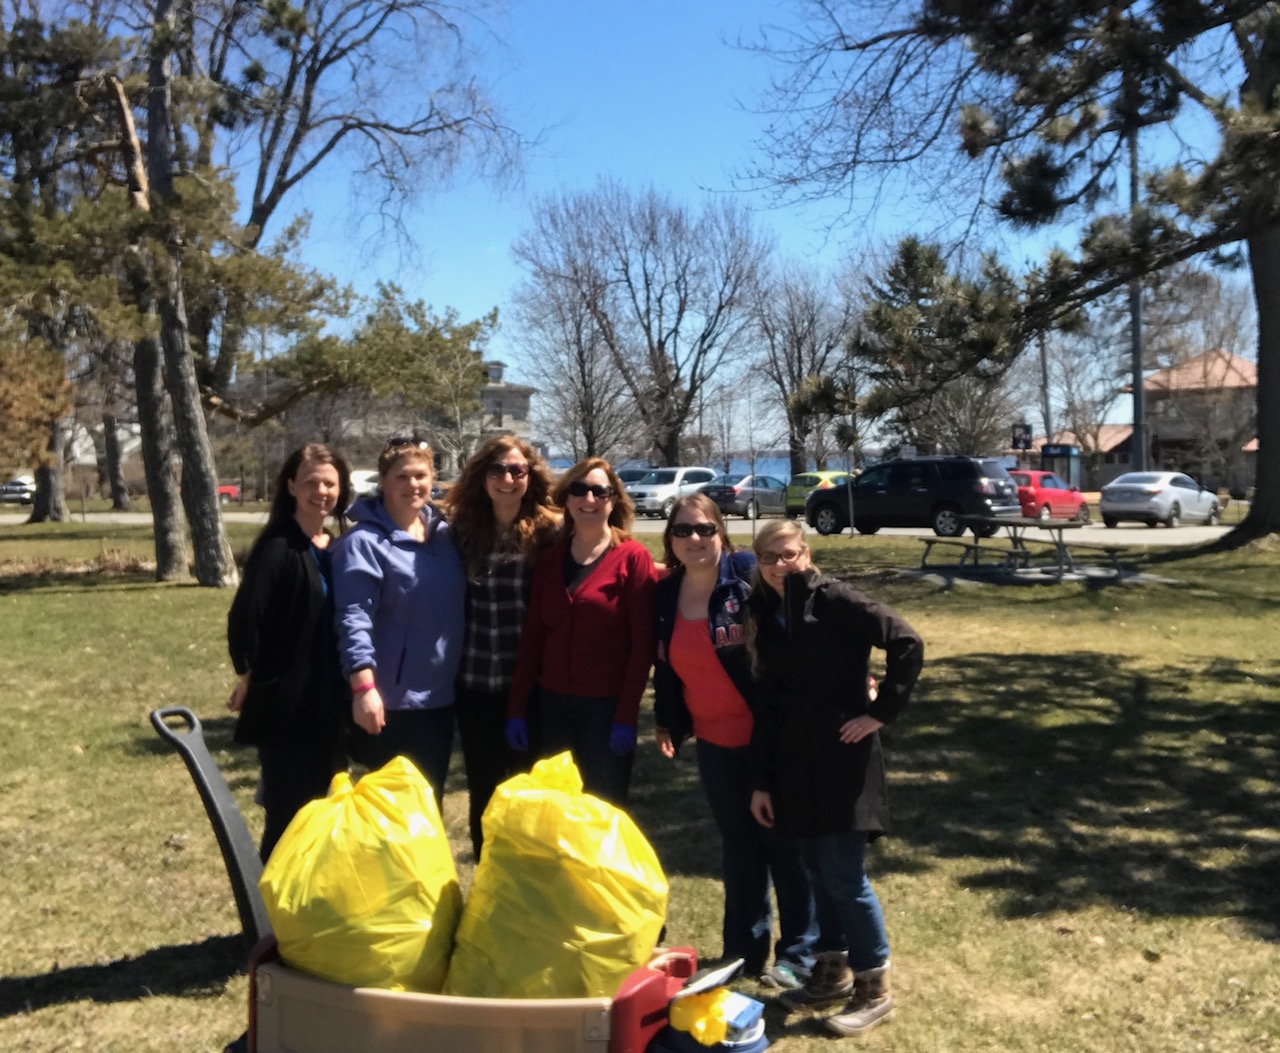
x: 495, y: 615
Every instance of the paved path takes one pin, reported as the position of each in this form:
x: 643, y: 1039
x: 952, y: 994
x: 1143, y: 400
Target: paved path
x: 1124, y: 534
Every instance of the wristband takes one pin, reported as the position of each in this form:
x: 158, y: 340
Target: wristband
x: 360, y: 689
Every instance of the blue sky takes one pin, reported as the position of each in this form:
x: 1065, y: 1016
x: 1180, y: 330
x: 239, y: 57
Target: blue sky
x: 645, y: 93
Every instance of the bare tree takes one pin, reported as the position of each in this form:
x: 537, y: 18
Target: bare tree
x: 669, y: 290
x: 803, y: 321
x: 1024, y: 112
x: 585, y: 409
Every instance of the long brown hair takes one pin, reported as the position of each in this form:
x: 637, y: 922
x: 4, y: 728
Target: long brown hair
x: 620, y: 516
x: 708, y: 508
x: 470, y: 510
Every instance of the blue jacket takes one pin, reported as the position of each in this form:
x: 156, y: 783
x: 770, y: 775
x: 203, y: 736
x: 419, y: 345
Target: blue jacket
x: 399, y: 606
x: 726, y: 620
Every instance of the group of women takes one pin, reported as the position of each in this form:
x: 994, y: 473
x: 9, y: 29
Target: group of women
x: 526, y: 613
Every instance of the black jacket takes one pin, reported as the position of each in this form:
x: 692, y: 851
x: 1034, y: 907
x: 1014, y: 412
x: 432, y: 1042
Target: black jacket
x: 726, y: 618
x: 814, y: 649
x: 280, y: 628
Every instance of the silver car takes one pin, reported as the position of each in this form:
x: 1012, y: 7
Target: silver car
x: 750, y: 496
x: 1157, y: 497
x: 656, y: 493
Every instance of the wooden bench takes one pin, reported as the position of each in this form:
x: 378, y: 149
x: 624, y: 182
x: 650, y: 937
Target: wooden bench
x: 970, y: 550
x: 1112, y: 552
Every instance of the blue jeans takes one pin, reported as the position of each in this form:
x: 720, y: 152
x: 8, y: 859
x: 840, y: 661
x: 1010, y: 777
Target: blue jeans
x: 750, y: 856
x: 835, y: 864
x: 582, y: 725
x: 425, y: 736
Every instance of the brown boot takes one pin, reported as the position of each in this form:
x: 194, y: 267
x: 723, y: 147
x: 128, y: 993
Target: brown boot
x: 871, y: 1004
x: 830, y: 983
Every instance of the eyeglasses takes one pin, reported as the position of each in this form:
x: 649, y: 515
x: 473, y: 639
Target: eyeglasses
x: 689, y: 529
x: 789, y: 555
x: 401, y: 440
x: 581, y: 489
x: 499, y: 471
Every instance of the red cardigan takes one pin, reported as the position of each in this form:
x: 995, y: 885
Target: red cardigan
x: 596, y: 641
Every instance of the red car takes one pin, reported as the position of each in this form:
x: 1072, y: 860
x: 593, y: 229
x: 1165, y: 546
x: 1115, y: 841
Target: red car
x: 1045, y: 495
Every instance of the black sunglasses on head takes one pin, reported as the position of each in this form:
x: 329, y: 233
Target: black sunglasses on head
x: 401, y: 440
x: 581, y: 489
x: 689, y: 529
x: 499, y: 471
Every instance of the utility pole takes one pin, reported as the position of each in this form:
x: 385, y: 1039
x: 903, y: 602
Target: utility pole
x: 1044, y: 387
x: 1138, y: 443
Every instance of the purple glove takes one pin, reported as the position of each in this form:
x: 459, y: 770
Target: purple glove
x: 622, y: 739
x: 516, y: 731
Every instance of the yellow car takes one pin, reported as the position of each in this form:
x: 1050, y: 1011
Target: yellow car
x: 800, y: 486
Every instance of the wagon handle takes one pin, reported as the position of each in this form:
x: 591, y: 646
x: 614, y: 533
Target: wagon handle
x: 239, y: 853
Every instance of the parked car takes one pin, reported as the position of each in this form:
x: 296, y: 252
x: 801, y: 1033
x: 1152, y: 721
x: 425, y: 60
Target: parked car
x: 228, y: 492
x: 20, y: 490
x: 364, y: 483
x: 1046, y: 495
x: 1157, y: 497
x: 656, y: 493
x: 799, y: 487
x: 750, y: 496
x: 631, y: 475
x: 918, y: 492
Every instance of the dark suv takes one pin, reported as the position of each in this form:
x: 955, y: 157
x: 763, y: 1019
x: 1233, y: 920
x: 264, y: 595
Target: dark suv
x: 919, y: 492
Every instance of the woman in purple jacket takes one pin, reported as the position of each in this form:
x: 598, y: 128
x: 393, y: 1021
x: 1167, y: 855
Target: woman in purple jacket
x: 399, y: 588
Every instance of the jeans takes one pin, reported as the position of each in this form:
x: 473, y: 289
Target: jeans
x: 835, y: 864
x: 425, y: 736
x: 481, y: 718
x: 294, y: 772
x: 582, y: 725
x: 751, y: 855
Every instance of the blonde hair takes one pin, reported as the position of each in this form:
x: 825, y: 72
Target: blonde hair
x: 471, y: 510
x: 772, y: 531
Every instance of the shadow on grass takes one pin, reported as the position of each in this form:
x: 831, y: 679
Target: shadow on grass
x: 1066, y: 784
x: 186, y: 970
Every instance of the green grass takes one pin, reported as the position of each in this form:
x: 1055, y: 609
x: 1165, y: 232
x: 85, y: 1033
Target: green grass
x: 1084, y: 791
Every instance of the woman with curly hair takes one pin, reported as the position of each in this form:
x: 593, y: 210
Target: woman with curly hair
x: 588, y: 637
x: 501, y: 515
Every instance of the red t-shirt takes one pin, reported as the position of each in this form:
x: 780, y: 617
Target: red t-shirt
x: 720, y: 714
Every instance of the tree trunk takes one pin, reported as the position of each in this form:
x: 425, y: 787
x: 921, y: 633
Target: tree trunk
x: 796, y: 452
x: 214, y: 563
x: 115, y: 474
x: 50, y: 504
x: 158, y: 453
x: 1264, y: 263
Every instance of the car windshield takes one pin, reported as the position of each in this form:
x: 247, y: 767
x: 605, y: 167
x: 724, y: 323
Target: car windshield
x: 994, y: 470
x: 1138, y: 479
x: 661, y: 476
x: 729, y: 479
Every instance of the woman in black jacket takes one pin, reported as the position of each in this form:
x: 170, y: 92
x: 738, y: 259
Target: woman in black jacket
x: 291, y: 698
x: 701, y: 686
x: 817, y: 763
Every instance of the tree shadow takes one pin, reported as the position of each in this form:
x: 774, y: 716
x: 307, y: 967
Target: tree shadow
x: 189, y: 970
x: 1073, y: 782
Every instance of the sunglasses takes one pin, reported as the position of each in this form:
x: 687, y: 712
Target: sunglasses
x: 788, y: 556
x: 499, y: 471
x: 689, y: 529
x: 581, y: 489
x: 401, y: 440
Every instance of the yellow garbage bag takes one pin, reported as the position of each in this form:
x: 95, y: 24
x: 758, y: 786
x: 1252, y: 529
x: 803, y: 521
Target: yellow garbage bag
x: 568, y: 897
x: 361, y: 888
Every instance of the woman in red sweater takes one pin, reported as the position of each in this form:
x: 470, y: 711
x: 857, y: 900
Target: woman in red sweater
x: 588, y: 635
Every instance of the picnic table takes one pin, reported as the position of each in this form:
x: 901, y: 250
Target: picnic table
x: 1016, y: 529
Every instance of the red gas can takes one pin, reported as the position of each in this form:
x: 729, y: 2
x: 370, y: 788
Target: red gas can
x: 639, y: 1009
